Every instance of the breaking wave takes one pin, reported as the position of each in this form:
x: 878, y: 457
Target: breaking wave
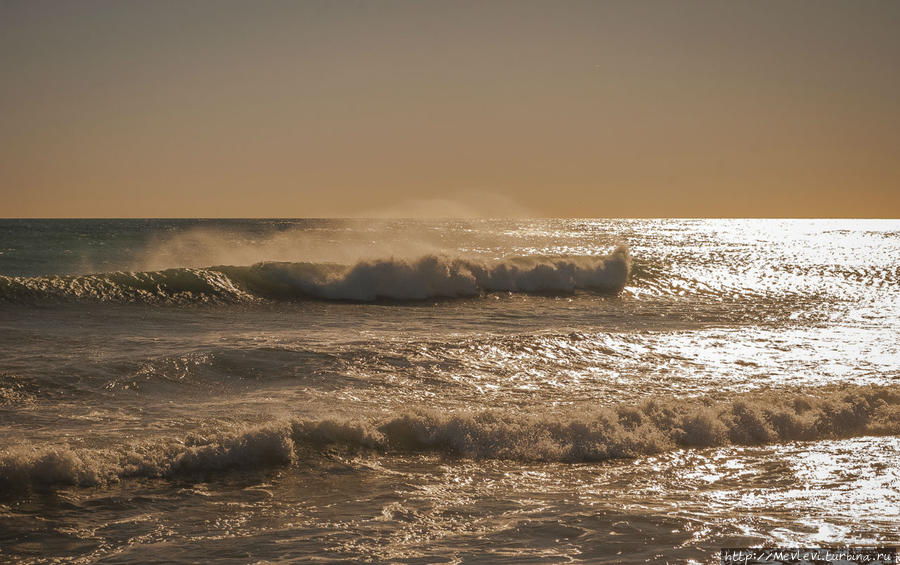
x: 389, y: 279
x: 623, y: 431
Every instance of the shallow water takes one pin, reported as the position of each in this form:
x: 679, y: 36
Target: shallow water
x: 410, y: 391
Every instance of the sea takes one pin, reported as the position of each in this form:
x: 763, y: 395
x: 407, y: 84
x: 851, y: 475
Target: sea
x: 446, y: 391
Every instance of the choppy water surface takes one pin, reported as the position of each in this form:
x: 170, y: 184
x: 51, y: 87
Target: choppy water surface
x: 446, y: 391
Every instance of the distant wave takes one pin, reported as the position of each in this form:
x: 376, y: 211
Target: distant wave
x: 388, y: 279
x: 627, y: 430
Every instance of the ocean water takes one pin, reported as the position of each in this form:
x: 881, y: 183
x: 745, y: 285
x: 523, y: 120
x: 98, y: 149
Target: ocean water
x: 486, y: 391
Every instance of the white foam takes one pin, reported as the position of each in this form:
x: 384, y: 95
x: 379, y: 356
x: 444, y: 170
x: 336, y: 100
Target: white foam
x: 430, y: 276
x: 627, y: 430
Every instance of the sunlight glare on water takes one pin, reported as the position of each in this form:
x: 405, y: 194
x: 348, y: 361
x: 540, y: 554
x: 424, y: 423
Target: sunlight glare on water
x: 453, y: 391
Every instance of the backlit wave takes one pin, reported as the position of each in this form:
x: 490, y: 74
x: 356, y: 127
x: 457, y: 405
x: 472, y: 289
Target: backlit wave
x: 388, y: 279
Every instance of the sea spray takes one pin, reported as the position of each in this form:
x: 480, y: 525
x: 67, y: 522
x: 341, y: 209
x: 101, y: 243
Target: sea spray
x: 368, y: 280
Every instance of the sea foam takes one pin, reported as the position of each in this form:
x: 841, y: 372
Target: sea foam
x: 586, y: 435
x: 391, y: 279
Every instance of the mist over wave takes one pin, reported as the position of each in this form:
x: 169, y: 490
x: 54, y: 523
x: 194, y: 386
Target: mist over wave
x: 621, y: 431
x: 427, y: 277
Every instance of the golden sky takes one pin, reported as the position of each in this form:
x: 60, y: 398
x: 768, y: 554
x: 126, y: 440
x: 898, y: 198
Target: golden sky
x: 499, y: 108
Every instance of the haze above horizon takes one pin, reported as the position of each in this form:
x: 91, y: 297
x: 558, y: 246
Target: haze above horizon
x: 507, y: 108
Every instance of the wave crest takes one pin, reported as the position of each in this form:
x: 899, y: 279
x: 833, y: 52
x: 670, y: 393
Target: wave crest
x: 392, y: 279
x: 627, y: 430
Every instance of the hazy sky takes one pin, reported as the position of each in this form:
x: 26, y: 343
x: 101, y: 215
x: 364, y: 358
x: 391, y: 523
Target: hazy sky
x: 340, y: 108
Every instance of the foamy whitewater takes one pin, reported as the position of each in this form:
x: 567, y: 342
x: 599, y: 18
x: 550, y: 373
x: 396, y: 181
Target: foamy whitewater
x: 486, y: 391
